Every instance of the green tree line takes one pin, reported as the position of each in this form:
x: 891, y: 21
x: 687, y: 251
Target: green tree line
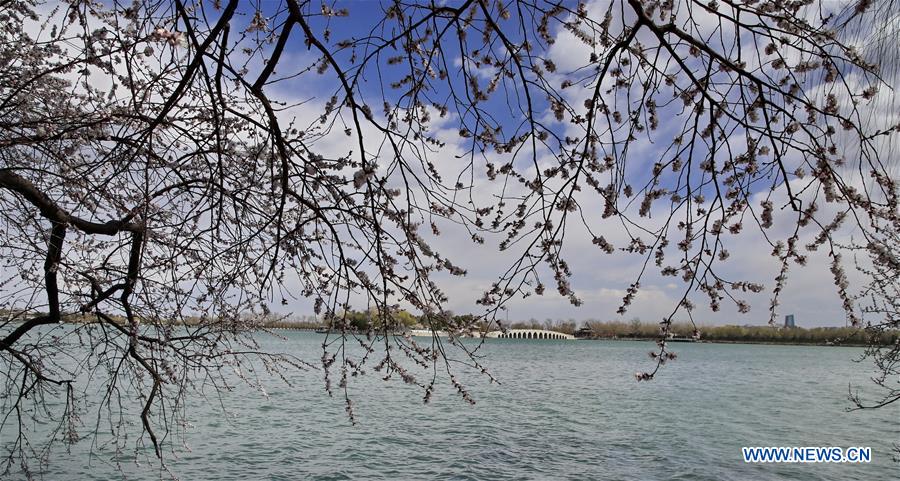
x: 637, y: 329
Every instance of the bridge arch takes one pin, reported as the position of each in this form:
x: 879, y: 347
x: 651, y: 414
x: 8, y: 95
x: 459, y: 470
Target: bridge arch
x: 528, y: 334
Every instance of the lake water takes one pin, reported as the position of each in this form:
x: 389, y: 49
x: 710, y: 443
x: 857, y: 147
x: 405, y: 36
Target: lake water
x: 564, y: 410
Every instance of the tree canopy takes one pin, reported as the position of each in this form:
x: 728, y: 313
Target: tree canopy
x: 170, y: 159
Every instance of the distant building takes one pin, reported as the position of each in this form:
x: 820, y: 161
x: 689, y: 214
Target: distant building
x: 585, y: 332
x: 789, y: 321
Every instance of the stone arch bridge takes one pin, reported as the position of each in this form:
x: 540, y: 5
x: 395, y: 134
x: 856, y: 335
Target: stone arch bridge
x: 528, y: 334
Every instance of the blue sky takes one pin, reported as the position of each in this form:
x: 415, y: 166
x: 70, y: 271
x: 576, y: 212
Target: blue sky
x: 598, y: 278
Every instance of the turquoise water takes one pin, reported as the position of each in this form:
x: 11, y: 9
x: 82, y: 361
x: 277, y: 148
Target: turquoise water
x: 564, y: 410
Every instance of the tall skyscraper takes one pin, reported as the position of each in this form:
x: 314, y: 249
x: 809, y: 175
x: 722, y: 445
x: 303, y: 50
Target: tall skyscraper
x: 789, y: 321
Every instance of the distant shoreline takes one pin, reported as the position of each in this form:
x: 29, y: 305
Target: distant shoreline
x: 652, y: 339
x: 725, y: 341
x: 823, y: 337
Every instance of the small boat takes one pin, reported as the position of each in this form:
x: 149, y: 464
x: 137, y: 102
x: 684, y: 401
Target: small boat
x: 426, y: 333
x: 681, y: 339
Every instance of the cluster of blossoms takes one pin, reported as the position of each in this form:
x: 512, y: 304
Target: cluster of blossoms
x: 174, y: 39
